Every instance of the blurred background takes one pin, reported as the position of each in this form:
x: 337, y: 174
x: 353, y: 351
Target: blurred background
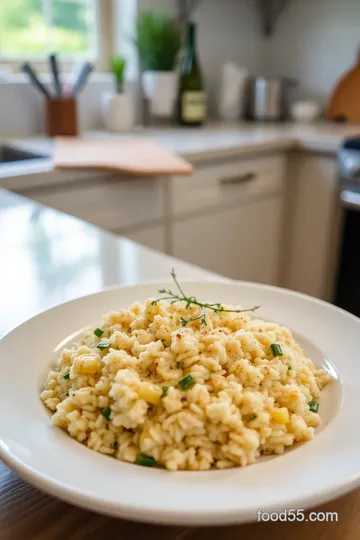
x: 250, y: 109
x: 310, y: 42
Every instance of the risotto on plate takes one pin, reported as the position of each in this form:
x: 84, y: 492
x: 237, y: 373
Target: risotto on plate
x: 185, y: 386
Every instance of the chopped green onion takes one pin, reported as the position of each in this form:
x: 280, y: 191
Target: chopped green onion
x: 186, y: 382
x: 67, y: 376
x: 276, y: 349
x: 146, y: 461
x: 106, y: 411
x: 165, y: 390
x: 252, y: 417
x: 289, y: 368
x: 103, y: 345
x: 115, y: 445
x: 178, y: 365
x: 314, y: 406
x: 98, y: 332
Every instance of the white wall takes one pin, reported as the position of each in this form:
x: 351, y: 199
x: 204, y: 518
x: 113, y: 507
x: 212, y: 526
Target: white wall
x: 227, y: 30
x: 315, y: 41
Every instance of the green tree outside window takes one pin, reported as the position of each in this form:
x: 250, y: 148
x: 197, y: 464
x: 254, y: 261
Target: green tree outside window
x: 37, y: 27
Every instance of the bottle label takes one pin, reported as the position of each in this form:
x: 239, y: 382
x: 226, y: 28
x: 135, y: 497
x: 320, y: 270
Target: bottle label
x: 194, y: 106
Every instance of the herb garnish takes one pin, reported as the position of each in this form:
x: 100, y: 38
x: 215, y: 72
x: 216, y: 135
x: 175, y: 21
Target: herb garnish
x: 192, y: 300
x: 106, y: 411
x: 314, y: 406
x: 186, y: 382
x: 145, y: 461
x: 276, y: 349
x: 98, y: 332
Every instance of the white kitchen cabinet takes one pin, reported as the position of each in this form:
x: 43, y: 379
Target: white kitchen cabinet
x: 222, y: 183
x: 241, y: 243
x: 110, y: 202
x: 311, y: 224
x: 228, y: 216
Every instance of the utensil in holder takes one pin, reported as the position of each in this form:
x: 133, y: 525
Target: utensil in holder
x: 61, y: 117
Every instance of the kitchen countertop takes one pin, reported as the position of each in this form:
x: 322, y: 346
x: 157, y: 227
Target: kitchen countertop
x: 212, y: 142
x: 46, y: 258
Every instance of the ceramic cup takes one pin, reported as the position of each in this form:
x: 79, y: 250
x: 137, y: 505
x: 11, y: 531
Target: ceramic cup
x: 117, y: 111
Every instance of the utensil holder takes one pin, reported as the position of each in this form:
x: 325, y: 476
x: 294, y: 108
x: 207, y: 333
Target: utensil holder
x: 61, y: 117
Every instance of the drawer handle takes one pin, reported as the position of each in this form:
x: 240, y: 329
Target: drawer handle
x: 234, y: 180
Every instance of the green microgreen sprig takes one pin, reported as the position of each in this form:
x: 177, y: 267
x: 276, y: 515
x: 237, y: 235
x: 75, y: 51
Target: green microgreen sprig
x: 193, y: 301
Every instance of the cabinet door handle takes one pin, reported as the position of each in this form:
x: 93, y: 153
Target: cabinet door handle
x: 242, y: 179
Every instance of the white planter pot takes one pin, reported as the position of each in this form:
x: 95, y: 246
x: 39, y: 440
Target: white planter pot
x: 160, y: 87
x: 117, y: 111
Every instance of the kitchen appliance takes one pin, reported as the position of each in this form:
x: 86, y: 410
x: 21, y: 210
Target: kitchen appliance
x: 267, y: 98
x: 347, y: 283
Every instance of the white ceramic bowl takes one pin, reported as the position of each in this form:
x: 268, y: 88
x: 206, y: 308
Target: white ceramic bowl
x: 314, y: 472
x: 305, y: 111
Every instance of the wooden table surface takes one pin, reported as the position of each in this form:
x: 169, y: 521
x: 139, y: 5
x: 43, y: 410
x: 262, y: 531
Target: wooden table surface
x: 25, y: 512
x: 28, y: 514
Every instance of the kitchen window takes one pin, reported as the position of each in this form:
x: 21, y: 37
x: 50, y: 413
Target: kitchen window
x: 31, y: 29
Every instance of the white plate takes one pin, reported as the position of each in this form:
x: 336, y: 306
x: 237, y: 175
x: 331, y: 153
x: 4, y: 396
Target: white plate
x: 307, y: 475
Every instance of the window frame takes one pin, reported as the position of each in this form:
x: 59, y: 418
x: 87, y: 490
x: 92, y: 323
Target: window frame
x: 104, y: 10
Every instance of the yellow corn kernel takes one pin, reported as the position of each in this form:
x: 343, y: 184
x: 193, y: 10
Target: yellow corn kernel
x: 86, y: 365
x: 150, y: 393
x: 281, y: 416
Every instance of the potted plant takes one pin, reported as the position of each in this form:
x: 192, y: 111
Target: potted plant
x: 117, y: 107
x: 158, y: 40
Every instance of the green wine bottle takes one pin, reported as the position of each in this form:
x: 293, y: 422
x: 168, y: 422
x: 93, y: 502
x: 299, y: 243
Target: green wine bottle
x: 192, y: 95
